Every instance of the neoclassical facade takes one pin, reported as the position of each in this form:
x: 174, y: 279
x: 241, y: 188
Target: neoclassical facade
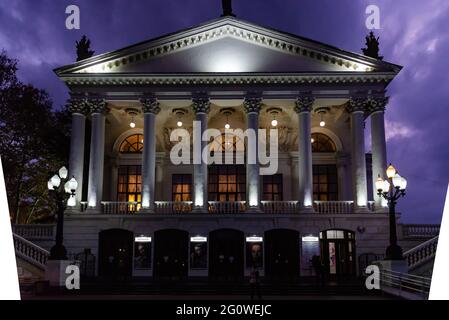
x: 143, y: 215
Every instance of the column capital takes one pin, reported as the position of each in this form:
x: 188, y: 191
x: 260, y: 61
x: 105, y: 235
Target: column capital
x: 376, y: 104
x: 97, y: 105
x: 78, y: 105
x: 201, y: 104
x: 304, y: 104
x: 357, y: 104
x: 252, y: 104
x: 150, y: 105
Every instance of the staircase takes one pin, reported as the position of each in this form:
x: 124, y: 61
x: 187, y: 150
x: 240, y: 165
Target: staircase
x: 420, y: 258
x: 31, y: 261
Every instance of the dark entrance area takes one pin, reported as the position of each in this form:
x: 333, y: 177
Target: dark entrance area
x: 282, y: 254
x: 226, y: 254
x: 115, y: 252
x: 171, y: 254
x: 338, y: 252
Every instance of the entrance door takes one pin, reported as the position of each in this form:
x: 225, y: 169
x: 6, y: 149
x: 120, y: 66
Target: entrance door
x: 171, y: 254
x: 226, y: 254
x: 282, y: 254
x: 115, y: 253
x: 338, y: 252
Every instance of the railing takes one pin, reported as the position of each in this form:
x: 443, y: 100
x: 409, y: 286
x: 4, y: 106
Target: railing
x: 30, y: 252
x: 173, y: 207
x: 230, y: 207
x: 110, y: 207
x: 334, y: 207
x: 34, y: 231
x: 273, y: 207
x: 421, y: 253
x: 227, y: 207
x: 420, y: 230
x: 405, y: 285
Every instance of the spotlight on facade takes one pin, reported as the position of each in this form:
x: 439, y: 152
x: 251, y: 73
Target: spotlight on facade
x: 132, y: 113
x: 321, y: 111
x: 274, y: 112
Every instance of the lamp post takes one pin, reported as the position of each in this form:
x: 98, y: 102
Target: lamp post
x: 391, y: 190
x: 63, y: 190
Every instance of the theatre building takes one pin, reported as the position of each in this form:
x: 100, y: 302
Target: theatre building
x: 142, y: 215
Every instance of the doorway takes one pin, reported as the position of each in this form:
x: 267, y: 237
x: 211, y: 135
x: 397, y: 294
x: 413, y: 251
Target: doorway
x: 338, y: 252
x: 226, y: 249
x: 115, y: 253
x: 282, y: 254
x: 171, y: 254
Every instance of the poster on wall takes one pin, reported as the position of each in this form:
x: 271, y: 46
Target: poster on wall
x: 142, y: 253
x: 254, y: 255
x: 198, y: 255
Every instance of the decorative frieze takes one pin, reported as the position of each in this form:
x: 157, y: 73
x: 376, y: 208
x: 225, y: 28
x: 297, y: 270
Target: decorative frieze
x: 150, y: 105
x: 304, y: 104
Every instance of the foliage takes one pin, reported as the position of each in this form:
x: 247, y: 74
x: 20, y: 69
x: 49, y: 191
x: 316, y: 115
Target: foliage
x: 83, y: 49
x: 34, y: 143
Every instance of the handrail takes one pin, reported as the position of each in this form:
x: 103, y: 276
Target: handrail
x: 405, y: 282
x: 30, y: 252
x: 35, y: 231
x: 421, y: 253
x: 420, y: 230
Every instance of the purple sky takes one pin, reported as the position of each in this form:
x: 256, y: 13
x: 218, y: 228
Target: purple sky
x: 414, y: 34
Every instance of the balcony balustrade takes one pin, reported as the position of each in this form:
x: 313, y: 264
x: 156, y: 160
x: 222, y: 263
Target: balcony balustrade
x: 228, y: 207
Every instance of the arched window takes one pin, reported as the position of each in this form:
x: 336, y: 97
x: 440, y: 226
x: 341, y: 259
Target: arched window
x: 227, y: 143
x: 132, y: 144
x: 322, y: 143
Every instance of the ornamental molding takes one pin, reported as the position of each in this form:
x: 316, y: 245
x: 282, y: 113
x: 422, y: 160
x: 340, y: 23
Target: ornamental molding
x: 376, y: 104
x: 201, y: 104
x: 252, y: 104
x: 120, y: 80
x: 150, y: 105
x: 357, y: 104
x: 78, y: 105
x: 234, y: 28
x: 97, y: 105
x: 304, y: 104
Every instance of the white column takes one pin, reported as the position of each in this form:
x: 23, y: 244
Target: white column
x: 78, y: 109
x: 252, y: 106
x: 378, y: 145
x: 150, y: 108
x: 201, y: 107
x: 96, y: 163
x: 305, y: 175
x: 356, y: 109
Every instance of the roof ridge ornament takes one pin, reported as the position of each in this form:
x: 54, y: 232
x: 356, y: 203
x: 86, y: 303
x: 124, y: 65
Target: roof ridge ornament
x: 227, y: 8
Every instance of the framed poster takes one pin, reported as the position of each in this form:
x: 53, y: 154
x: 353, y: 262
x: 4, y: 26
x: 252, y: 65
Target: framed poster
x: 254, y: 255
x: 198, y: 255
x: 142, y: 254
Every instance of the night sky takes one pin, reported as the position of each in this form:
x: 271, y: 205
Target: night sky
x: 414, y: 34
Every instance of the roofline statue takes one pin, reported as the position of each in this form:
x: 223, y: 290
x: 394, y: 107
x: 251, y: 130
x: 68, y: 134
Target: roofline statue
x: 372, y: 47
x: 227, y: 8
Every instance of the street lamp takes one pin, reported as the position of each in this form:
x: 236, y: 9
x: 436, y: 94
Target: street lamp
x: 63, y: 190
x: 391, y: 190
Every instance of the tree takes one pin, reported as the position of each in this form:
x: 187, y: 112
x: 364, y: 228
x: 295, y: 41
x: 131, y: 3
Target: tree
x: 372, y: 46
x: 33, y: 144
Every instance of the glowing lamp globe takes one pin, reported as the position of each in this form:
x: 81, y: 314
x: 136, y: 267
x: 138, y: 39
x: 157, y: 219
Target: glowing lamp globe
x: 63, y: 172
x: 391, y: 171
x: 274, y: 122
x: 55, y: 181
x: 179, y: 124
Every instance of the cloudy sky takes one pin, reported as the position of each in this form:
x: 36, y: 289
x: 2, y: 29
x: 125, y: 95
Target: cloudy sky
x: 413, y: 34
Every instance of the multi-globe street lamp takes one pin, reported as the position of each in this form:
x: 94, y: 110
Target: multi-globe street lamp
x: 63, y: 190
x: 391, y: 190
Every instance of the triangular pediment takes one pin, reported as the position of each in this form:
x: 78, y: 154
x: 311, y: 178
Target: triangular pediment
x: 227, y: 45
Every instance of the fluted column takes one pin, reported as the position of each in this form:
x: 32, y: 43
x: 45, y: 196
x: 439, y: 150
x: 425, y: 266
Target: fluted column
x: 356, y: 108
x: 78, y: 108
x: 201, y: 107
x: 150, y: 108
x: 305, y: 175
x: 96, y: 164
x: 252, y: 106
x: 378, y: 144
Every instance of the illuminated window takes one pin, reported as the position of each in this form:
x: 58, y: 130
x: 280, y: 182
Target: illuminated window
x: 132, y: 144
x: 325, y: 183
x: 322, y: 143
x: 227, y: 183
x: 272, y: 188
x: 182, y: 187
x: 130, y: 185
